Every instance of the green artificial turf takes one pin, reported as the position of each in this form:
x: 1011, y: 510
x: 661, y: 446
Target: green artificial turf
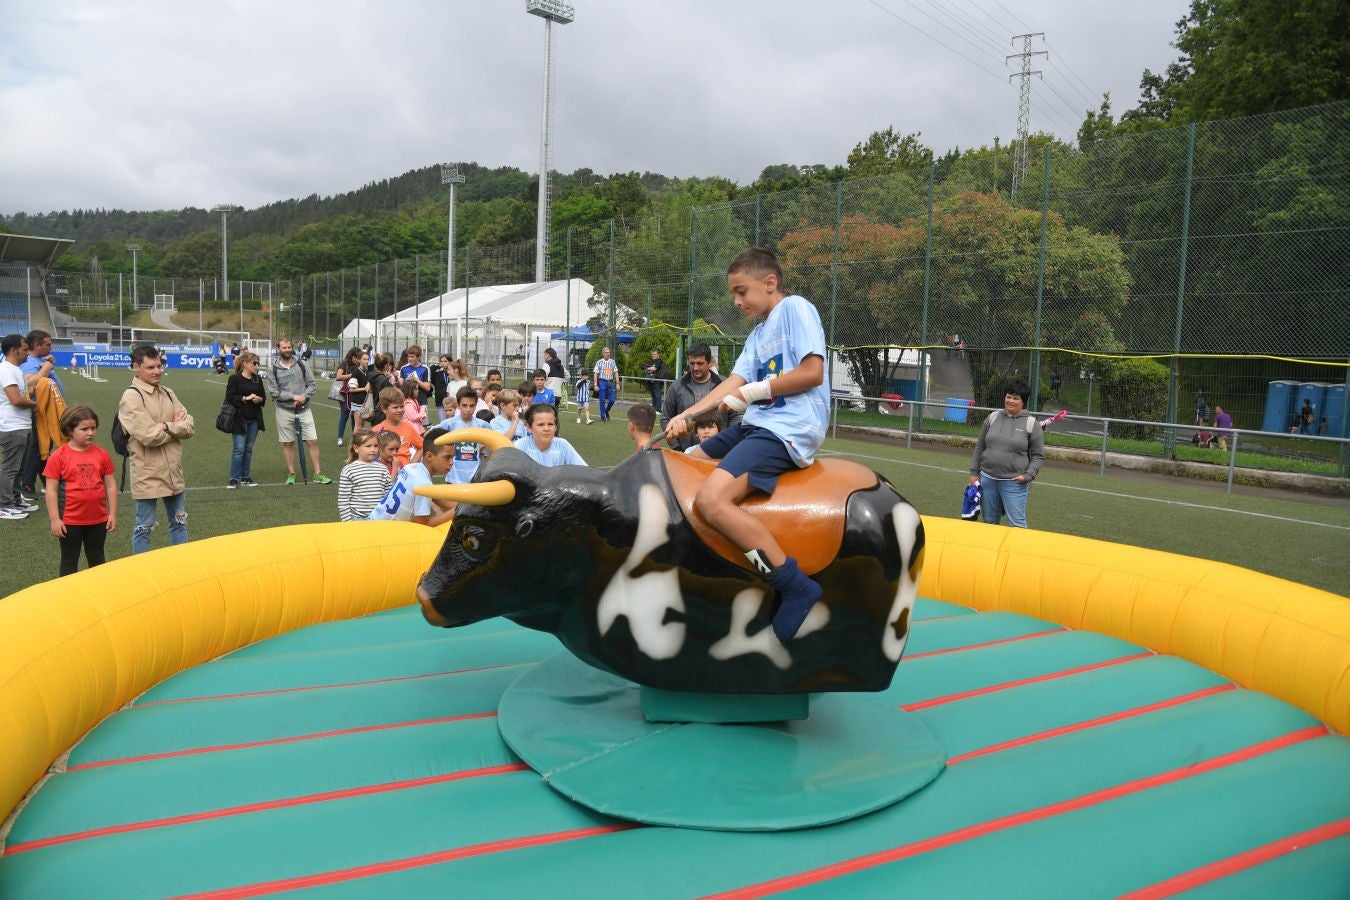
x: 1268, y: 531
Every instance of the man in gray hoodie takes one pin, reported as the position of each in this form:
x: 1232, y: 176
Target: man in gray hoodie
x: 1008, y: 454
x: 293, y: 389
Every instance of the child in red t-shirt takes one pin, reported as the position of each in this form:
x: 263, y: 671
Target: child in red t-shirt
x: 86, y: 470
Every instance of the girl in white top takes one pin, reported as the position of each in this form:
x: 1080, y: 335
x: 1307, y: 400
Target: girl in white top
x: 543, y: 445
x: 363, y: 480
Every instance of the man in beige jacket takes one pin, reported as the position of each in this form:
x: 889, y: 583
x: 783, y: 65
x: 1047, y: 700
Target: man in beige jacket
x: 156, y: 425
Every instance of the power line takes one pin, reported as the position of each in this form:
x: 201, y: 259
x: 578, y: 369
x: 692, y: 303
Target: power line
x: 1002, y: 27
x: 1013, y: 14
x: 994, y: 36
x: 936, y: 41
x: 1079, y: 77
x: 1086, y: 97
x: 1064, y: 100
x: 997, y: 48
x: 942, y: 24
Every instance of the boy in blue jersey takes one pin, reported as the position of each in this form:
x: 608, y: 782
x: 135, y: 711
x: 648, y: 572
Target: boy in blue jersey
x: 779, y: 385
x: 543, y: 394
x: 399, y: 502
x: 466, y: 452
x: 508, y: 420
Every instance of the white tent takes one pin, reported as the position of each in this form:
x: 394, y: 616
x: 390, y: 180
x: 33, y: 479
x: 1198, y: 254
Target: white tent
x: 357, y: 332
x: 490, y: 323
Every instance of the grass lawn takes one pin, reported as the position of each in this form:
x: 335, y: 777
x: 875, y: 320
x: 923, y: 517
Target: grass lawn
x: 1305, y: 540
x: 1271, y: 452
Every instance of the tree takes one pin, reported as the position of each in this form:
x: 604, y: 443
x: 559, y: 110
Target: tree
x: 982, y: 282
x: 886, y: 151
x: 1244, y: 57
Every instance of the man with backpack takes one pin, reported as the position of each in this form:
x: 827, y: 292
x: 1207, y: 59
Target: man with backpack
x: 156, y: 425
x: 293, y: 389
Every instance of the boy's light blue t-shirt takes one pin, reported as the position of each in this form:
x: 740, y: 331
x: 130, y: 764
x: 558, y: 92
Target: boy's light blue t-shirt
x: 502, y: 425
x: 559, y: 453
x: 778, y: 345
x: 399, y: 502
x: 466, y: 452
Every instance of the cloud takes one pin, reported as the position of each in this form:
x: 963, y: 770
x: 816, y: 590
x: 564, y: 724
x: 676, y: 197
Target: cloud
x: 157, y: 104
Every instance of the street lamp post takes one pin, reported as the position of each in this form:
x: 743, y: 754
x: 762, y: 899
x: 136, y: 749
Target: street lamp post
x: 224, y: 210
x: 134, y: 248
x: 450, y: 175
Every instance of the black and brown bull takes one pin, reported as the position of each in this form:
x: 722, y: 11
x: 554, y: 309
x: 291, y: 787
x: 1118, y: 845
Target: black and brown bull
x: 621, y: 568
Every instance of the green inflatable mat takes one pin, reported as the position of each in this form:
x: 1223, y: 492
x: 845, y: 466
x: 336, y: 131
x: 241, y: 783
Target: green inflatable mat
x: 1078, y: 765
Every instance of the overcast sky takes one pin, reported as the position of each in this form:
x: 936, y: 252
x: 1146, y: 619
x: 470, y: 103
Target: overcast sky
x: 157, y: 104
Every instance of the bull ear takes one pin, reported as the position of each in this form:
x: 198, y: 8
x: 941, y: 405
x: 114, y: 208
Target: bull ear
x: 485, y: 436
x: 483, y: 493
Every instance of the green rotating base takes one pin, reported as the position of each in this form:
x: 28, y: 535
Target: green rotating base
x: 583, y: 730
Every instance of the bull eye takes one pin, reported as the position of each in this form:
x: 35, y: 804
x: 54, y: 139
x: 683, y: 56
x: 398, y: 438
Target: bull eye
x: 524, y: 527
x: 475, y: 542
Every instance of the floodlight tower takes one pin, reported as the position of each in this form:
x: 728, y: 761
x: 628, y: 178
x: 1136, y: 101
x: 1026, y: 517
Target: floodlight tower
x: 450, y: 175
x: 134, y: 248
x: 550, y: 11
x: 224, y: 210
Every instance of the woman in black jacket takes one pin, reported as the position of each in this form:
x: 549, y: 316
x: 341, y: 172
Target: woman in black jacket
x: 353, y: 382
x: 245, y: 390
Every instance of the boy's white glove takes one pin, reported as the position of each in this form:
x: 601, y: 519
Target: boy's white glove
x: 753, y: 392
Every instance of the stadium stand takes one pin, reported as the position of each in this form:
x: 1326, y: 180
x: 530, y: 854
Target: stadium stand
x: 24, y: 262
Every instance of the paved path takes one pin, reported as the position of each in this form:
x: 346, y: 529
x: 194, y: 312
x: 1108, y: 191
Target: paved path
x: 948, y: 376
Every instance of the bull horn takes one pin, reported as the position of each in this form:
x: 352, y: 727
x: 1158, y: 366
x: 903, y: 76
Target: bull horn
x: 494, y: 440
x: 484, y: 493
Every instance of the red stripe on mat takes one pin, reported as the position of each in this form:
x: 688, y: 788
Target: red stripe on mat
x: 411, y: 862
x: 1006, y: 640
x: 1049, y: 676
x: 1232, y: 865
x: 1093, y: 723
x: 324, y: 687
x: 980, y: 829
x: 222, y: 748
x: 265, y: 805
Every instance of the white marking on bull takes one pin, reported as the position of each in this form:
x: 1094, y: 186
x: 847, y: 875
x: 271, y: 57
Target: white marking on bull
x: 906, y: 520
x: 816, y: 619
x: 739, y: 642
x: 645, y: 600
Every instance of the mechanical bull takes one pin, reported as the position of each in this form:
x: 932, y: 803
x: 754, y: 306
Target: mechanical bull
x: 620, y: 567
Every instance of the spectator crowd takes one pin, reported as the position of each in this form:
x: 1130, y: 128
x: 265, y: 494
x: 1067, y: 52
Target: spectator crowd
x: 396, y: 420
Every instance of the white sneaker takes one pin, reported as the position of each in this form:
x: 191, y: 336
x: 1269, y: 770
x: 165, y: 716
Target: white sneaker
x: 339, y: 442
x: 28, y: 506
x: 13, y: 514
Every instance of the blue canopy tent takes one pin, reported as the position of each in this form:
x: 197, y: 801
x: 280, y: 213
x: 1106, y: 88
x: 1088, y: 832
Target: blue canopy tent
x: 583, y: 334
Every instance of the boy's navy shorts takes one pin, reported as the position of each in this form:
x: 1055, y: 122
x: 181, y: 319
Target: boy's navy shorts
x: 749, y: 449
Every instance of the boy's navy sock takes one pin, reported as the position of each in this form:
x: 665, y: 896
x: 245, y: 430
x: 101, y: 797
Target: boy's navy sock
x: 798, y: 592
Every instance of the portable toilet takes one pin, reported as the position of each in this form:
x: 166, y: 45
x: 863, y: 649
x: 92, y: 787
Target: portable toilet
x: 1315, y: 393
x: 1333, y: 408
x: 1279, y: 406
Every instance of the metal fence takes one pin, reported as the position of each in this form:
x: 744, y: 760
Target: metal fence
x: 1143, y: 270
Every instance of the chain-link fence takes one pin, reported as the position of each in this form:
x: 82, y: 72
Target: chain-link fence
x: 1129, y: 275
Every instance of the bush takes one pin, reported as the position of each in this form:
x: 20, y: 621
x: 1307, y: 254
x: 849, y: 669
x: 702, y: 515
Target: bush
x: 1133, y: 389
x: 226, y: 305
x: 664, y: 339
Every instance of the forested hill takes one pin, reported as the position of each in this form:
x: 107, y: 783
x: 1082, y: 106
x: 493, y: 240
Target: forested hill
x: 285, y: 216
